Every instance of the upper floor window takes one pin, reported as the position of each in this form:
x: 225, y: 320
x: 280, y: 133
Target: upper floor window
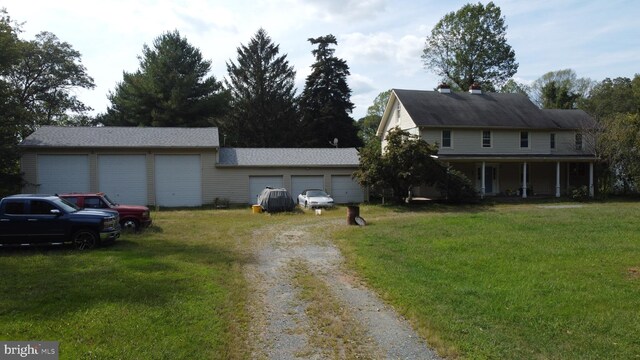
x: 578, y: 141
x: 486, y: 138
x: 446, y: 138
x: 552, y: 140
x: 524, y: 139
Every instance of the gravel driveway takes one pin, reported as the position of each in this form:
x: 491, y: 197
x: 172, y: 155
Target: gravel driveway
x: 284, y: 327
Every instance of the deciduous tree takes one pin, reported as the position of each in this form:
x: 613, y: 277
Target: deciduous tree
x: 368, y: 125
x: 470, y: 46
x: 263, y: 109
x: 566, y: 84
x: 325, y: 103
x: 407, y: 162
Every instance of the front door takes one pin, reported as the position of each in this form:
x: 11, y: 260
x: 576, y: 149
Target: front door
x: 489, y: 175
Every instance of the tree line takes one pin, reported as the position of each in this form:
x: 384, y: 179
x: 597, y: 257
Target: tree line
x: 257, y: 104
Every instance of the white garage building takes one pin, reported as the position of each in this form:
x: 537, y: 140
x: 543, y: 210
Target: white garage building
x: 177, y: 166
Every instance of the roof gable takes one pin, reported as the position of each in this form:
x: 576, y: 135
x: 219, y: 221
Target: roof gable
x: 489, y: 110
x: 289, y: 157
x: 122, y: 137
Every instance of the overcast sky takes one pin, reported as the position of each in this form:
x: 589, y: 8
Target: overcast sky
x: 381, y: 40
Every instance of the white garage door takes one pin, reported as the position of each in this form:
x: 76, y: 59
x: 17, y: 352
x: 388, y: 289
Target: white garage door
x: 345, y: 190
x: 178, y: 180
x: 63, y: 173
x: 301, y: 183
x: 123, y: 178
x: 258, y: 183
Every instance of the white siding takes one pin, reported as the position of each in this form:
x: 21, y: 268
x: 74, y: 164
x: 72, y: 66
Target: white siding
x: 178, y: 180
x: 258, y: 183
x: 123, y: 178
x: 469, y: 141
x: 63, y: 173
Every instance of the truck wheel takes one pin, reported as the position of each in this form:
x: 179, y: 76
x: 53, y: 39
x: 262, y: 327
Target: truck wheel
x: 129, y: 225
x: 85, y: 239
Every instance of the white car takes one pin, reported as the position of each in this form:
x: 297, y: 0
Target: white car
x: 314, y: 198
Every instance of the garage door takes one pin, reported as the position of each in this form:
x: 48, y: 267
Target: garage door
x: 63, y: 173
x: 345, y: 190
x: 258, y: 183
x: 178, y: 180
x: 123, y: 178
x: 301, y: 183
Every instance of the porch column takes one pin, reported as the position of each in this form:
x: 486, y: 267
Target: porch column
x: 591, y: 193
x: 482, y: 187
x: 568, y: 172
x: 558, y: 179
x: 524, y: 180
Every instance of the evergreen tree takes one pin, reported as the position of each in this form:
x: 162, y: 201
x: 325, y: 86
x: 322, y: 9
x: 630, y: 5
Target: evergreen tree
x: 171, y: 88
x: 326, y: 100
x: 263, y: 101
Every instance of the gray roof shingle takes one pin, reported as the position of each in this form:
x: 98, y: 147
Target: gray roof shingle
x: 289, y: 157
x: 432, y: 108
x: 122, y: 137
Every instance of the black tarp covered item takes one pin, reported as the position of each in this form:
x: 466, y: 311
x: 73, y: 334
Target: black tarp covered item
x: 276, y: 200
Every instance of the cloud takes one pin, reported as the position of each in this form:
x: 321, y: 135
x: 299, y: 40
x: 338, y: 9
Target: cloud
x: 381, y: 48
x: 360, y: 84
x: 331, y: 10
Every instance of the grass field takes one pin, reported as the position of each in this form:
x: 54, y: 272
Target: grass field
x: 510, y: 281
x: 175, y: 291
x: 505, y: 281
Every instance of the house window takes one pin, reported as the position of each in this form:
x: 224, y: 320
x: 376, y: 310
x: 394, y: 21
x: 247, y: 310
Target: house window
x: 524, y: 139
x: 578, y: 141
x: 552, y: 140
x: 486, y: 138
x: 446, y: 138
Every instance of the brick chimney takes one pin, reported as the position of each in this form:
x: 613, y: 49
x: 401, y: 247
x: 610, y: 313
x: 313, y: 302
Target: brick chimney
x: 475, y: 88
x: 444, y: 88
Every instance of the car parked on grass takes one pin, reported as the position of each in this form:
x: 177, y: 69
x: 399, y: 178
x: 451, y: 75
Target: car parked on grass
x: 30, y: 219
x: 132, y: 217
x: 315, y: 198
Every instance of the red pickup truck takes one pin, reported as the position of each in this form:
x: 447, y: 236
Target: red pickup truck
x: 132, y: 217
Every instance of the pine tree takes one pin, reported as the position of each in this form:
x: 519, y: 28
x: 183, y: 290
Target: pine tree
x: 263, y: 101
x: 171, y: 88
x: 326, y: 100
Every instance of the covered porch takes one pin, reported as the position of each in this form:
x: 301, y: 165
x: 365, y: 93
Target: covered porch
x: 526, y: 176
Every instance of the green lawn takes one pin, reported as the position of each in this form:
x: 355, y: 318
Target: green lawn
x: 510, y: 281
x: 506, y: 281
x: 176, y: 291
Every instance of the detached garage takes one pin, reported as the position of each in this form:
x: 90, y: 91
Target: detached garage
x: 177, y: 166
x: 294, y: 169
x: 132, y: 165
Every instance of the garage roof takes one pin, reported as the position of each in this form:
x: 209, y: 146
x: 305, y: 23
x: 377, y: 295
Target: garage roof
x: 289, y: 157
x: 122, y: 137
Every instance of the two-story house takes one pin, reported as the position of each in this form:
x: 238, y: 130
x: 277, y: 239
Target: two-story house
x: 503, y: 143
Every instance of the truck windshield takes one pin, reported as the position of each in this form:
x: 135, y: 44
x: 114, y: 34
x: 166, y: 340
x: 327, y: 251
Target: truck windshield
x: 66, y: 205
x: 109, y: 201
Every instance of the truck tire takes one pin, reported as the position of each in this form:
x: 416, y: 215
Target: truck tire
x: 129, y: 225
x: 85, y: 239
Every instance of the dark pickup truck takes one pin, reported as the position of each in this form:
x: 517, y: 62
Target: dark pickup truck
x: 29, y: 219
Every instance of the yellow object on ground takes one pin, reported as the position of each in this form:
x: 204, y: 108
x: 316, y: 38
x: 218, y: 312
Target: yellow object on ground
x: 256, y: 209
